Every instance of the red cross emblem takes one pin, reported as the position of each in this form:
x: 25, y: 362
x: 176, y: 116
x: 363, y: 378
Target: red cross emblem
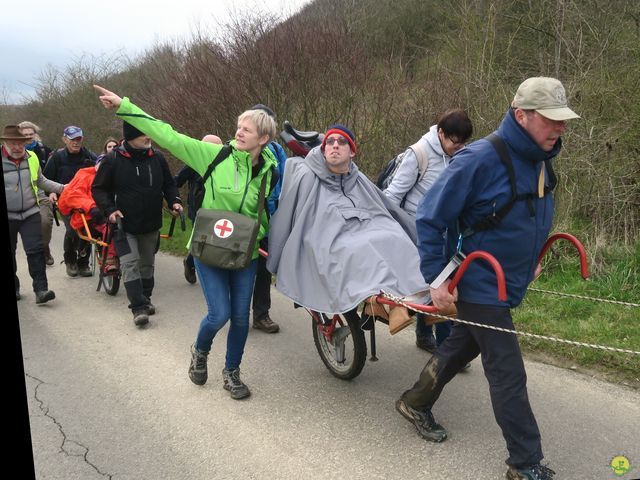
x: 223, y: 228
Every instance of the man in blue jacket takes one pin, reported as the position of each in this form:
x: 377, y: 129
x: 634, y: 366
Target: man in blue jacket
x: 475, y: 187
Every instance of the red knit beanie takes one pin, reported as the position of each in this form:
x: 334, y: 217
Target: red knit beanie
x: 342, y: 131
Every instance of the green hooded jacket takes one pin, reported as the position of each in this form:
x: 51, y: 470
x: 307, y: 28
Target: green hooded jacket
x: 230, y: 186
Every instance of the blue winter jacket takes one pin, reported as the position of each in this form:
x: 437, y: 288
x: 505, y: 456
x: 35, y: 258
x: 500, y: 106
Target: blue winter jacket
x: 281, y: 156
x: 475, y: 185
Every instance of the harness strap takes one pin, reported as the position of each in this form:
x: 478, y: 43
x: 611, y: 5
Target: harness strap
x: 493, y: 220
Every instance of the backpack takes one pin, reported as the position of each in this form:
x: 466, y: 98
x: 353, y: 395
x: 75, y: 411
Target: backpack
x: 199, y: 188
x: 386, y: 176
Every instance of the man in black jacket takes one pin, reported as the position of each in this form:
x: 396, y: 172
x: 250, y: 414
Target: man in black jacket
x: 61, y: 167
x: 130, y: 184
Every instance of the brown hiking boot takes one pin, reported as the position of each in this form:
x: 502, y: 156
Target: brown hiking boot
x: 266, y: 324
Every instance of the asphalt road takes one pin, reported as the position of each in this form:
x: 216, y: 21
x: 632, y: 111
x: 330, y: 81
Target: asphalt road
x: 109, y: 400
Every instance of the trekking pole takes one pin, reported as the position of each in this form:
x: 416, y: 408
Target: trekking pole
x: 54, y: 209
x: 172, y: 226
x: 183, y: 223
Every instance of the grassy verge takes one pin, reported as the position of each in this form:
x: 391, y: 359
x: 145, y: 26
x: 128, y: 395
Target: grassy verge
x: 177, y: 244
x: 584, y: 320
x: 567, y: 318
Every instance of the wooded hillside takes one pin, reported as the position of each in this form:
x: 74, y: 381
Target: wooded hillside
x: 387, y: 69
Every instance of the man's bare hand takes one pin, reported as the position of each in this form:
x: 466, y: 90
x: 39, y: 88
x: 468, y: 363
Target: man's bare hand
x: 538, y: 271
x: 441, y: 297
x: 176, y: 209
x: 109, y: 99
x: 113, y: 217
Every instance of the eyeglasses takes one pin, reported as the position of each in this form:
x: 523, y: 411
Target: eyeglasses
x: 339, y: 140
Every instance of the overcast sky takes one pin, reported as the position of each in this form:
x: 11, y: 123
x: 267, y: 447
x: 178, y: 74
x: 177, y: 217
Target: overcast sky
x: 36, y: 33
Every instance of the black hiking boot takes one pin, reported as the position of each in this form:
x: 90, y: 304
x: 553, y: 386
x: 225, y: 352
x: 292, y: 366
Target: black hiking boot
x: 198, y: 367
x: 43, y: 296
x: 424, y: 422
x: 84, y: 271
x: 189, y: 272
x: 234, y: 385
x: 426, y: 342
x: 72, y: 269
x: 532, y: 472
x: 140, y: 317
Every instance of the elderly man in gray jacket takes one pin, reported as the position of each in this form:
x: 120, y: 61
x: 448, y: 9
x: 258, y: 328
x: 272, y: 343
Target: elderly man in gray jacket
x: 413, y: 179
x: 22, y: 178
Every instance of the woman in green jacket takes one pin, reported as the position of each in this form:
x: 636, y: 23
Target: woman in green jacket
x: 234, y: 186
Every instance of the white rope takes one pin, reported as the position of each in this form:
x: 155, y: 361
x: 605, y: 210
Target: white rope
x: 583, y: 297
x: 398, y: 300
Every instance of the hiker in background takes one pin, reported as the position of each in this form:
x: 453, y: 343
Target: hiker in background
x: 61, y: 167
x: 422, y: 164
x: 131, y: 183
x: 109, y: 144
x: 31, y: 130
x: 497, y: 197
x: 22, y: 179
x: 189, y: 176
x: 262, y: 289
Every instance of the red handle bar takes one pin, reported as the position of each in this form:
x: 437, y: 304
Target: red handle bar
x: 584, y: 268
x: 502, y: 289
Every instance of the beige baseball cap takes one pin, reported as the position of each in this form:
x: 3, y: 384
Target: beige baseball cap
x: 546, y: 96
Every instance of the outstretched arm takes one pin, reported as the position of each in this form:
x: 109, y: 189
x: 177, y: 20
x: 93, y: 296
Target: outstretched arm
x: 195, y: 153
x: 109, y: 99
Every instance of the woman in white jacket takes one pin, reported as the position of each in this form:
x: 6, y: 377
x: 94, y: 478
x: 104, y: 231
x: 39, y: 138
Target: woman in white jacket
x: 409, y: 185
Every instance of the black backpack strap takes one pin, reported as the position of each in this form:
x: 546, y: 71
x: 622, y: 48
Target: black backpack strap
x: 222, y: 154
x: 500, y: 147
x: 261, y: 198
x: 492, y: 221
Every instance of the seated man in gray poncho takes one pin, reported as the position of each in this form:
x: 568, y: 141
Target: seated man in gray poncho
x: 336, y: 240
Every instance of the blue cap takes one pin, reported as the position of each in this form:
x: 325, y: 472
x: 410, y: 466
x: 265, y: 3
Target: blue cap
x: 72, y: 132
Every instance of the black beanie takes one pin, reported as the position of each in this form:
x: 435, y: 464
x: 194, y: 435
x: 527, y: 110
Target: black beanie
x: 264, y: 108
x: 129, y: 132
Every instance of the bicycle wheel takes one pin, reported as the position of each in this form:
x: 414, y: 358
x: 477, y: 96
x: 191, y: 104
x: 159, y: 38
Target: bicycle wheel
x: 112, y: 283
x: 344, y: 352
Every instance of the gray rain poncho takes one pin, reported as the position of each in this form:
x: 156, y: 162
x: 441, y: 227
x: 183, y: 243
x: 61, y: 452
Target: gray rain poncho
x: 335, y: 240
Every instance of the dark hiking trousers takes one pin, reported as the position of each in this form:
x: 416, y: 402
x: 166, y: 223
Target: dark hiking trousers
x: 30, y: 230
x: 504, y: 369
x: 262, y: 287
x: 76, y: 250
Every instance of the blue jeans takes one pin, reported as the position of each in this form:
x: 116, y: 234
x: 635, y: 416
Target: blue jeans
x: 443, y: 329
x: 228, y: 295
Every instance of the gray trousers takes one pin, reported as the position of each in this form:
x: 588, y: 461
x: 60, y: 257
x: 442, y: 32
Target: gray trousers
x: 137, y: 255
